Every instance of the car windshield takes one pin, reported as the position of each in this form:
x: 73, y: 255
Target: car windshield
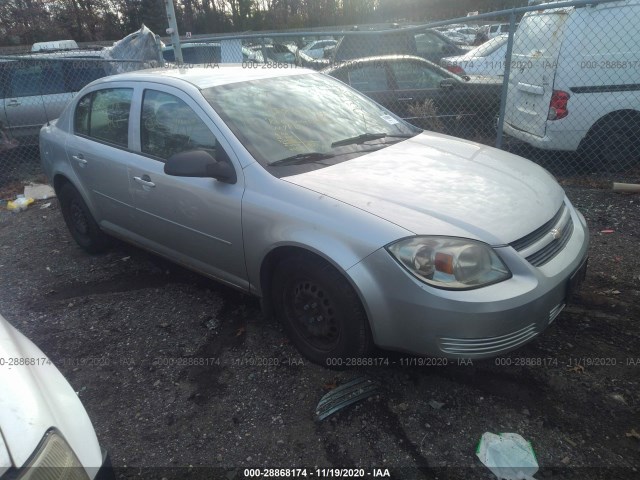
x: 307, y: 118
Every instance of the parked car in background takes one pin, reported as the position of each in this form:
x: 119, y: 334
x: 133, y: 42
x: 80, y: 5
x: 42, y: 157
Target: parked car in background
x: 429, y: 44
x: 488, y: 59
x: 316, y: 48
x: 35, y: 88
x: 195, y: 53
x: 458, y: 106
x: 45, y: 431
x: 278, y: 53
x: 574, y: 82
x: 354, y: 227
x: 467, y: 34
x: 432, y: 45
x: 497, y: 29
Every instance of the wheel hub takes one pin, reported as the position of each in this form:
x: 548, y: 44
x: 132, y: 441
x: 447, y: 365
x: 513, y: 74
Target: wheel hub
x: 314, y: 314
x: 78, y: 218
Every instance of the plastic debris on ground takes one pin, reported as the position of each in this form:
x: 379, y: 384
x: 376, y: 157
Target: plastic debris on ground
x: 508, y: 456
x: 39, y: 191
x: 344, y: 395
x: 20, y: 203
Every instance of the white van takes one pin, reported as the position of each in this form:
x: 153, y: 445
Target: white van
x: 575, y: 81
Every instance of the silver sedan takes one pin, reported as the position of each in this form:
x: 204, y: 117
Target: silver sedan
x: 353, y: 227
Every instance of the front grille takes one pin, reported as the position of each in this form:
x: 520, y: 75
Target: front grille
x: 538, y: 255
x: 545, y: 254
x: 488, y: 345
x: 539, y: 233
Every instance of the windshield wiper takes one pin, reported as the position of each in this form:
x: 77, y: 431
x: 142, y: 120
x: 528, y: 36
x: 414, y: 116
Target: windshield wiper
x: 301, y: 158
x: 365, y: 137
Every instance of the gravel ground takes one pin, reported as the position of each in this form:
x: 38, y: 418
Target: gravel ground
x: 182, y: 376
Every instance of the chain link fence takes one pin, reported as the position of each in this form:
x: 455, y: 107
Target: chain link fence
x: 557, y: 83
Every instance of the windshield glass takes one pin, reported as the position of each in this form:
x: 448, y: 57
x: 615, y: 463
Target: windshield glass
x: 304, y: 118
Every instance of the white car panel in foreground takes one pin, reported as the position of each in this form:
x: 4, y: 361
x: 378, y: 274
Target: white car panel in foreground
x: 42, y: 421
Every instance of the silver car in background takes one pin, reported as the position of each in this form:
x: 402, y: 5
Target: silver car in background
x: 355, y: 228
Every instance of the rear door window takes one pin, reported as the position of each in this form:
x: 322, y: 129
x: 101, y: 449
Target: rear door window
x: 370, y: 78
x: 78, y: 73
x: 104, y: 116
x: 414, y: 76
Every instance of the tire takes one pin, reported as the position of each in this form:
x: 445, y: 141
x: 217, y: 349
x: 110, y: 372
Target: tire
x: 615, y: 143
x: 81, y: 224
x: 320, y: 311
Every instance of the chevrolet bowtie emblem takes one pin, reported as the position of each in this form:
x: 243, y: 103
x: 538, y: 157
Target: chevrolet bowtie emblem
x: 556, y: 233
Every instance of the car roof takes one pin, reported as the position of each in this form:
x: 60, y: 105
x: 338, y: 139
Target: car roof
x: 203, y: 76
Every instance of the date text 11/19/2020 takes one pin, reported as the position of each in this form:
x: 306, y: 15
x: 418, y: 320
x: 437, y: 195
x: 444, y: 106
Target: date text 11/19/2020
x: 316, y: 472
x: 402, y: 362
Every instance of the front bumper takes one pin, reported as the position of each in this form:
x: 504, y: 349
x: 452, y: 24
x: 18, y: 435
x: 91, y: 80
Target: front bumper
x: 408, y: 315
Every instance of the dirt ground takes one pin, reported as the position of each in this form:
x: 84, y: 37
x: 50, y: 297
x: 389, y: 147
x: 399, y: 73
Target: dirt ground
x: 182, y: 377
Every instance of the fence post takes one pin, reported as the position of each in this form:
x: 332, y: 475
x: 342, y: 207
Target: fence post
x: 173, y: 31
x: 505, y: 81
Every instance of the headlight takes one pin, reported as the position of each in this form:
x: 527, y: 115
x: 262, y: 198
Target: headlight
x: 450, y: 263
x: 53, y: 459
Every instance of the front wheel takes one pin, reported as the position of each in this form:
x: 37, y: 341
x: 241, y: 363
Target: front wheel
x: 84, y: 229
x: 320, y: 310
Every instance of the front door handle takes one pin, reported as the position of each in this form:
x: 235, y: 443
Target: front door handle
x: 13, y: 103
x: 80, y: 159
x: 145, y: 181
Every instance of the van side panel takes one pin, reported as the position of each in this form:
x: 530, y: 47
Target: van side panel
x: 536, y: 48
x: 600, y: 64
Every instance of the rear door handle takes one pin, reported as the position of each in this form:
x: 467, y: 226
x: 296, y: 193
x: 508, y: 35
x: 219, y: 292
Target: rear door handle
x: 145, y: 181
x: 80, y: 159
x: 13, y: 103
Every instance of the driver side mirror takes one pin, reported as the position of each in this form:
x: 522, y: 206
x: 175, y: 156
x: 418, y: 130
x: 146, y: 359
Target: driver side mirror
x: 200, y: 163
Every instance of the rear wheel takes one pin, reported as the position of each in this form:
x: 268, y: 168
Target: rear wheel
x: 84, y: 229
x: 615, y: 142
x: 320, y: 310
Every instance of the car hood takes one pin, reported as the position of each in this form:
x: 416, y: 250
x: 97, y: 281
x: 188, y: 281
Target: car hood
x: 433, y: 184
x: 36, y: 398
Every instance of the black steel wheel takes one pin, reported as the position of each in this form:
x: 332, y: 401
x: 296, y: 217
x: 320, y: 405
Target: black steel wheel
x: 320, y: 311
x: 84, y: 229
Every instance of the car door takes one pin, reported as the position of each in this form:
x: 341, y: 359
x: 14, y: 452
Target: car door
x: 426, y: 94
x: 194, y: 221
x: 536, y: 49
x: 34, y: 94
x: 99, y: 153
